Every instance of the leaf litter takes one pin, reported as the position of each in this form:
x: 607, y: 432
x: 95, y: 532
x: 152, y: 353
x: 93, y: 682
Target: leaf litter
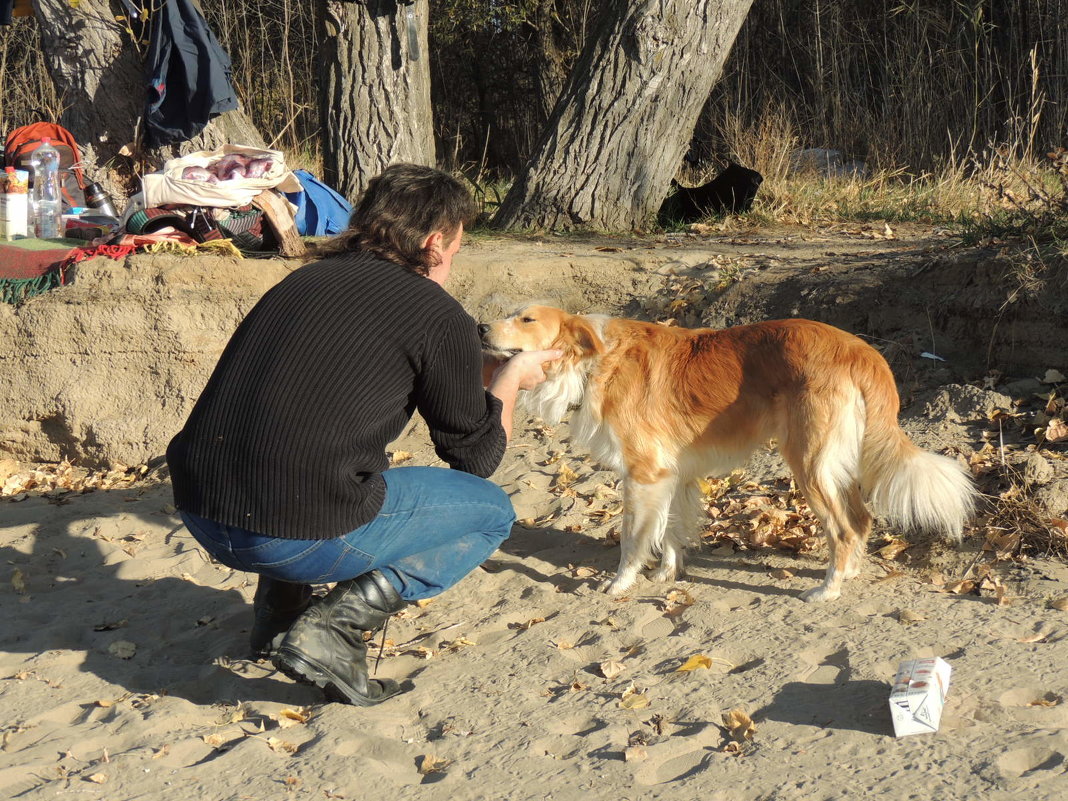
x: 740, y: 730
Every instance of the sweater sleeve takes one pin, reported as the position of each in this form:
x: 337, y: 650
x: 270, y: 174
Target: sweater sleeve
x: 464, y: 419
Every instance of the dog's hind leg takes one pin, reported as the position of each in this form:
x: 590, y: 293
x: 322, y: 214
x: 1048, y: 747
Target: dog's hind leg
x: 681, y: 525
x: 846, y: 532
x: 824, y: 456
x: 860, y: 521
x: 645, y: 520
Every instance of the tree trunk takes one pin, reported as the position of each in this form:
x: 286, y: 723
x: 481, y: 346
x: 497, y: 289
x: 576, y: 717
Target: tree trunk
x: 100, y: 76
x: 550, y: 72
x: 625, y: 118
x: 374, y: 90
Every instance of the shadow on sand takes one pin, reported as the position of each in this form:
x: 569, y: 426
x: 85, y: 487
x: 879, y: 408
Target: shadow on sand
x: 189, y: 640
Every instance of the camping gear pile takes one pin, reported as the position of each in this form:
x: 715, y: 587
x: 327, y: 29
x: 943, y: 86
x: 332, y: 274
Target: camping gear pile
x: 232, y: 193
x: 242, y: 199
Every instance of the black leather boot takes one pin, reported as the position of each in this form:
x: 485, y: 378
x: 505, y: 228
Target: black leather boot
x: 325, y: 646
x: 276, y: 606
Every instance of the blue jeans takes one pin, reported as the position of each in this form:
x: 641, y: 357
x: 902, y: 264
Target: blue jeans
x: 435, y: 526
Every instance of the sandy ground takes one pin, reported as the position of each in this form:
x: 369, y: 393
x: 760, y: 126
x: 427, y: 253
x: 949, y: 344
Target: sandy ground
x: 122, y: 669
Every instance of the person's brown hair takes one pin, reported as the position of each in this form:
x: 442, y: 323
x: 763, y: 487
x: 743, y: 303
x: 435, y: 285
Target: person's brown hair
x: 399, y: 209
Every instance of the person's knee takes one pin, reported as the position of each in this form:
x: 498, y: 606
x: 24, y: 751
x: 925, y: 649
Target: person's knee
x: 504, y: 514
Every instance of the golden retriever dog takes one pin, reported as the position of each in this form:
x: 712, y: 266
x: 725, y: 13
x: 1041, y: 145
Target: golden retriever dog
x: 664, y: 406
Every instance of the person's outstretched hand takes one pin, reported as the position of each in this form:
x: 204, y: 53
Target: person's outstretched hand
x: 527, y: 368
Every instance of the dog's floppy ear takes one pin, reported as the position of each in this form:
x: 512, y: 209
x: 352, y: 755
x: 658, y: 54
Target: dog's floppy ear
x: 579, y: 337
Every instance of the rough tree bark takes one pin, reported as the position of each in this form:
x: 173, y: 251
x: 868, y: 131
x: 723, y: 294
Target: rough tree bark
x: 374, y: 97
x: 99, y: 74
x: 550, y: 72
x: 625, y: 117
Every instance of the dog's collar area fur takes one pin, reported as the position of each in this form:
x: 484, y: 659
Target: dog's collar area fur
x: 561, y: 393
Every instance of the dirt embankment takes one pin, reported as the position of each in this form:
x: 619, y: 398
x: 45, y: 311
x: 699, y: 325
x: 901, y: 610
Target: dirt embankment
x: 105, y: 370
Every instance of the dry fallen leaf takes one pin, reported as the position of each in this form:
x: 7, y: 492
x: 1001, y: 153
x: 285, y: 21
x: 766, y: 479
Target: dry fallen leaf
x: 612, y: 668
x: 782, y: 574
x: 123, y: 649
x: 739, y: 725
x: 1041, y: 635
x: 632, y: 699
x: 400, y: 456
x: 526, y: 626
x: 281, y: 746
x: 676, y: 603
x: 429, y: 763
x: 891, y: 575
x: 455, y: 645
x: 565, y: 476
x: 960, y: 587
x: 909, y: 616
x: 110, y: 626
x: 695, y: 662
x: 1060, y: 604
x: 291, y: 717
x: 893, y: 548
x: 1049, y: 699
x: 1056, y: 430
x: 1053, y: 377
x: 97, y: 778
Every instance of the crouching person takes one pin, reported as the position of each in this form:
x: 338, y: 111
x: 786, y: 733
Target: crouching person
x: 281, y: 468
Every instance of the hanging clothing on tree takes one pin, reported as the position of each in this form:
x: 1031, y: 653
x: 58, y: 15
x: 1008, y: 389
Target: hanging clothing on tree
x: 14, y: 8
x: 188, y: 75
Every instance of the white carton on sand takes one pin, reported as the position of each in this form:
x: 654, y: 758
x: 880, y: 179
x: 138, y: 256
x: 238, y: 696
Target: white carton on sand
x: 919, y: 691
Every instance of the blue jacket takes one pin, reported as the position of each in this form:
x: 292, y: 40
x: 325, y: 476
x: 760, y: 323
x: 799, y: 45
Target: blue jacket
x: 188, y: 75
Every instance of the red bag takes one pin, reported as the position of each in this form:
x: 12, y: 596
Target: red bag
x: 21, y: 143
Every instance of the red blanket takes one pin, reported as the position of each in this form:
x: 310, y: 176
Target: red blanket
x: 31, y: 258
x: 30, y: 267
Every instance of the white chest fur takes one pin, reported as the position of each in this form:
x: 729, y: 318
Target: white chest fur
x: 570, y: 390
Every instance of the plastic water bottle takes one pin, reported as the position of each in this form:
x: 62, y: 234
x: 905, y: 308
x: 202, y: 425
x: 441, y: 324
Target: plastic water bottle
x: 45, y: 199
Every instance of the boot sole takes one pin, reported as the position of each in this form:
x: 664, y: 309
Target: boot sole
x: 305, y: 671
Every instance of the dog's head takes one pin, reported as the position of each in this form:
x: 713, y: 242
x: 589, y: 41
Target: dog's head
x: 542, y: 328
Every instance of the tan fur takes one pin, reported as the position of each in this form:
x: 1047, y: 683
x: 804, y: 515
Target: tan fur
x: 665, y: 406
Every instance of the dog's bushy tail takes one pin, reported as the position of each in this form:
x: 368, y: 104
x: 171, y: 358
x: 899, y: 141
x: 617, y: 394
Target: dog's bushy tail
x: 910, y: 487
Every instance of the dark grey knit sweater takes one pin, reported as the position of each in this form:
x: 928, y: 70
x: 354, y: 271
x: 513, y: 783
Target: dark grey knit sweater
x: 288, y: 437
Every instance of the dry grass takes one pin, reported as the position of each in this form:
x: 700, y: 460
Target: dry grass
x: 963, y: 192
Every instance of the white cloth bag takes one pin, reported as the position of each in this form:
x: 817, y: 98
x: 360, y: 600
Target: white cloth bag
x: 168, y: 186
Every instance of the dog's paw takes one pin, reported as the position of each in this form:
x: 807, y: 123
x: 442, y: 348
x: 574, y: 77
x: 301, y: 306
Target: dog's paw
x: 820, y: 594
x: 664, y: 574
x: 852, y: 571
x: 616, y: 586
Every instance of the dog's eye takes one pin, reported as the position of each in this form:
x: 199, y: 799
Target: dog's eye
x: 526, y: 320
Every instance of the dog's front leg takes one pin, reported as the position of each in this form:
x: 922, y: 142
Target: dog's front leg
x: 645, y: 518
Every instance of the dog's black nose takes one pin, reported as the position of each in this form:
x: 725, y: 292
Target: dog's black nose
x: 483, y: 329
